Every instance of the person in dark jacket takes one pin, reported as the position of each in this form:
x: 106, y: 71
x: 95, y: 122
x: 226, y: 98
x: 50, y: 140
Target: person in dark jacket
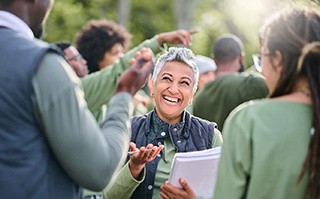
x: 168, y: 126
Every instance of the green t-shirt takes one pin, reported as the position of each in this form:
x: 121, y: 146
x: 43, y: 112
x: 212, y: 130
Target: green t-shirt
x: 265, y: 145
x: 218, y: 98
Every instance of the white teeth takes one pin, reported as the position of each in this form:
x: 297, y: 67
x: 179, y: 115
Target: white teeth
x: 173, y: 100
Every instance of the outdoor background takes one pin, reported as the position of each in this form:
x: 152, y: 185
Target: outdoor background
x: 146, y: 18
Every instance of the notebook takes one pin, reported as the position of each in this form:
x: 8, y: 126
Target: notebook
x: 198, y: 168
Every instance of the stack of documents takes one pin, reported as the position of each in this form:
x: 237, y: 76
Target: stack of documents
x: 198, y: 168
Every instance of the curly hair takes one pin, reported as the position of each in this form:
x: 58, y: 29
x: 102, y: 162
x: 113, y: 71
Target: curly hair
x: 97, y: 37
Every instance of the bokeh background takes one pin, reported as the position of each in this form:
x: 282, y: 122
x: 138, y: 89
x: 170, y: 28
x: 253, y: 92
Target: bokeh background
x: 146, y: 18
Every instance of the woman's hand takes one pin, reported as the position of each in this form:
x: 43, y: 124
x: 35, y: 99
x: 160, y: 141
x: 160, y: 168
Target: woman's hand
x: 170, y: 192
x: 141, y: 157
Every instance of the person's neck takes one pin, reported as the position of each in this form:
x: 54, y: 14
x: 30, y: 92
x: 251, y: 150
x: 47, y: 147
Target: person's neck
x: 168, y: 120
x: 303, y: 88
x: 300, y: 93
x: 227, y: 68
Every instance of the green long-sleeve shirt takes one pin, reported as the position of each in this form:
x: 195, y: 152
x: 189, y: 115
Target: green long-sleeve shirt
x: 265, y: 145
x: 125, y: 184
x: 99, y: 86
x: 89, y: 155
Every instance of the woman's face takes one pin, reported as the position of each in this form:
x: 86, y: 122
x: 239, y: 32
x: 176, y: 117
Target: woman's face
x: 173, y: 90
x: 111, y: 55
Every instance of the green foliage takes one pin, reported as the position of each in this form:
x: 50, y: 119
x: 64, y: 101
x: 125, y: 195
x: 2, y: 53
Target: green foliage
x: 69, y: 16
x: 65, y: 19
x: 149, y: 17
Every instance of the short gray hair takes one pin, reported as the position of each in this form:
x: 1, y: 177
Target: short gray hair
x: 179, y: 54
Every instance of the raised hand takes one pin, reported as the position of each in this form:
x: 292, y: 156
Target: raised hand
x: 141, y: 156
x: 182, y: 37
x: 170, y: 192
x: 135, y: 77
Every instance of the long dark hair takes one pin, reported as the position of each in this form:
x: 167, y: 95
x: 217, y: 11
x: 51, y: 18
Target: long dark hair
x: 295, y: 33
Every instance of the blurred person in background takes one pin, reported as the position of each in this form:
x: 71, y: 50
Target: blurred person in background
x: 101, y: 43
x: 74, y: 58
x: 230, y: 88
x: 207, y: 68
x: 228, y: 54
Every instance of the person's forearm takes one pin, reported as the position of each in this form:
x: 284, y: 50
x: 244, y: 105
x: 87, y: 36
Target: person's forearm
x: 116, y: 131
x: 124, y: 185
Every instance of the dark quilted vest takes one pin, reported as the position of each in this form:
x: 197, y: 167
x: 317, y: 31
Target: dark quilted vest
x: 195, y: 135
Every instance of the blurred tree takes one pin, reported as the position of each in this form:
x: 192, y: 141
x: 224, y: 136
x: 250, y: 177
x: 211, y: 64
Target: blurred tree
x: 145, y: 18
x: 184, y: 10
x: 124, y: 12
x: 149, y: 18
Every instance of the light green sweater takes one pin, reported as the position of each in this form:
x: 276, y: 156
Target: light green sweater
x: 265, y: 145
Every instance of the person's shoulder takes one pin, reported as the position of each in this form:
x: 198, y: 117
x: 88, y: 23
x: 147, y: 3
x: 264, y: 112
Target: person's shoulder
x: 250, y: 84
x: 254, y: 107
x: 230, y: 79
x: 252, y: 76
x: 238, y: 78
x: 217, y: 83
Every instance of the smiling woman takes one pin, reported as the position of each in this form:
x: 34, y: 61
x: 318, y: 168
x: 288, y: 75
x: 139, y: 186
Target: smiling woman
x: 174, y: 83
x: 169, y: 125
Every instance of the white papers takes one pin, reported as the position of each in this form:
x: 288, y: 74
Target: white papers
x: 198, y: 168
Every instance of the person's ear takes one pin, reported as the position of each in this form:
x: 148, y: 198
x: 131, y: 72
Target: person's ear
x: 241, y: 59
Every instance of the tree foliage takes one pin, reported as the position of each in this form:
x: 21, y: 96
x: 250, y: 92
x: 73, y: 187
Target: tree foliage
x: 211, y: 17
